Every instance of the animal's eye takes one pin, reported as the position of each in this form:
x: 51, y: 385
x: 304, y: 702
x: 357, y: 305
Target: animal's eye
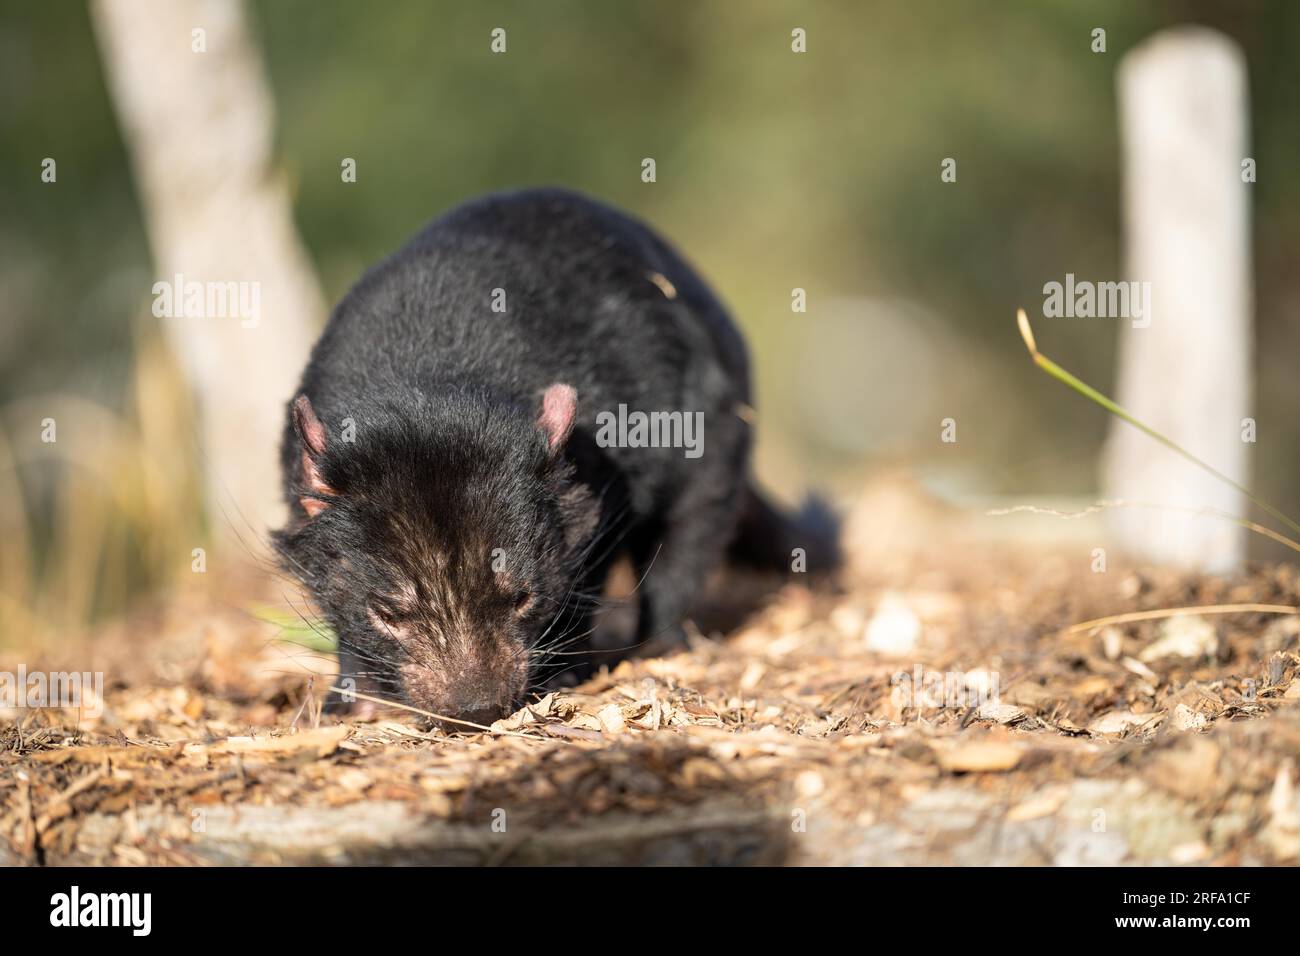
x: 386, y: 615
x: 523, y: 601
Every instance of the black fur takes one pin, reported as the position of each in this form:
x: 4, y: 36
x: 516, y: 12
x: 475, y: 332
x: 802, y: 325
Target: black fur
x: 449, y: 463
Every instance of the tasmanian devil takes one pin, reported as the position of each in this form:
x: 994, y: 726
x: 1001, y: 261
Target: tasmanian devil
x: 535, y: 385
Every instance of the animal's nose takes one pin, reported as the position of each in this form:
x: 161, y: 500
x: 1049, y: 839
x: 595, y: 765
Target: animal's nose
x: 479, y: 713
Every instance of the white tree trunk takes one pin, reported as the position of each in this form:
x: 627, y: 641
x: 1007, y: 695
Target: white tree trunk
x: 1183, y: 107
x: 198, y: 126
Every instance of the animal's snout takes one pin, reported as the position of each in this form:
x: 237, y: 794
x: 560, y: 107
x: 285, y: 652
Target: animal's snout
x: 477, y: 713
x: 465, y: 695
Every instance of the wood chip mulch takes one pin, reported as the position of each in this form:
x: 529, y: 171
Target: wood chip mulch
x: 794, y: 738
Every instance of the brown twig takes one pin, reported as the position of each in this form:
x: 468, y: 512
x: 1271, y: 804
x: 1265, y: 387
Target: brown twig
x: 85, y: 783
x: 425, y: 713
x: 1132, y: 616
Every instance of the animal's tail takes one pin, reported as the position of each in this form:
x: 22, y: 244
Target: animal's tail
x: 768, y: 540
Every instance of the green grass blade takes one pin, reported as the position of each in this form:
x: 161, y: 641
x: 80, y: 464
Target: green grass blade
x: 1087, y: 391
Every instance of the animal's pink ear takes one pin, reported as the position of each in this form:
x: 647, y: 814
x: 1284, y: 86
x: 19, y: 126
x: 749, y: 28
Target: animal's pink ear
x: 310, y: 431
x: 312, y: 435
x: 559, y: 408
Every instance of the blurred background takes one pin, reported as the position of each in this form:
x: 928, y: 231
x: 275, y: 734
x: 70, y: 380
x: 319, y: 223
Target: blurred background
x: 774, y: 172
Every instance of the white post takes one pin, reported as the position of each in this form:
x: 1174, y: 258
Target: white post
x: 1183, y: 111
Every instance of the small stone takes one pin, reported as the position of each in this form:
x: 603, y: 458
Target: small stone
x: 1192, y: 852
x: 894, y: 629
x: 1187, y: 719
x: 1187, y: 635
x: 1112, y: 643
x: 809, y: 783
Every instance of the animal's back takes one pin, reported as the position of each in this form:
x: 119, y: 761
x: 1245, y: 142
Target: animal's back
x: 586, y: 295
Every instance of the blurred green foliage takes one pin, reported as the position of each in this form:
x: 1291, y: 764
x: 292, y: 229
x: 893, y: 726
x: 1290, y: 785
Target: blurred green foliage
x: 775, y: 170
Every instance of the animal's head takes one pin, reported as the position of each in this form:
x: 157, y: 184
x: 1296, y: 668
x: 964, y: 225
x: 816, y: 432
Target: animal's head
x: 440, y: 542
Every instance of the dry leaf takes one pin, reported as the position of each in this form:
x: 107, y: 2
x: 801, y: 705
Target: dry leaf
x: 1112, y: 643
x: 1118, y: 721
x: 980, y: 756
x: 1000, y: 712
x: 1190, y: 770
x: 1137, y: 667
x: 324, y: 740
x: 1092, y: 686
x: 1041, y: 804
x: 611, y: 719
x: 1283, y: 830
